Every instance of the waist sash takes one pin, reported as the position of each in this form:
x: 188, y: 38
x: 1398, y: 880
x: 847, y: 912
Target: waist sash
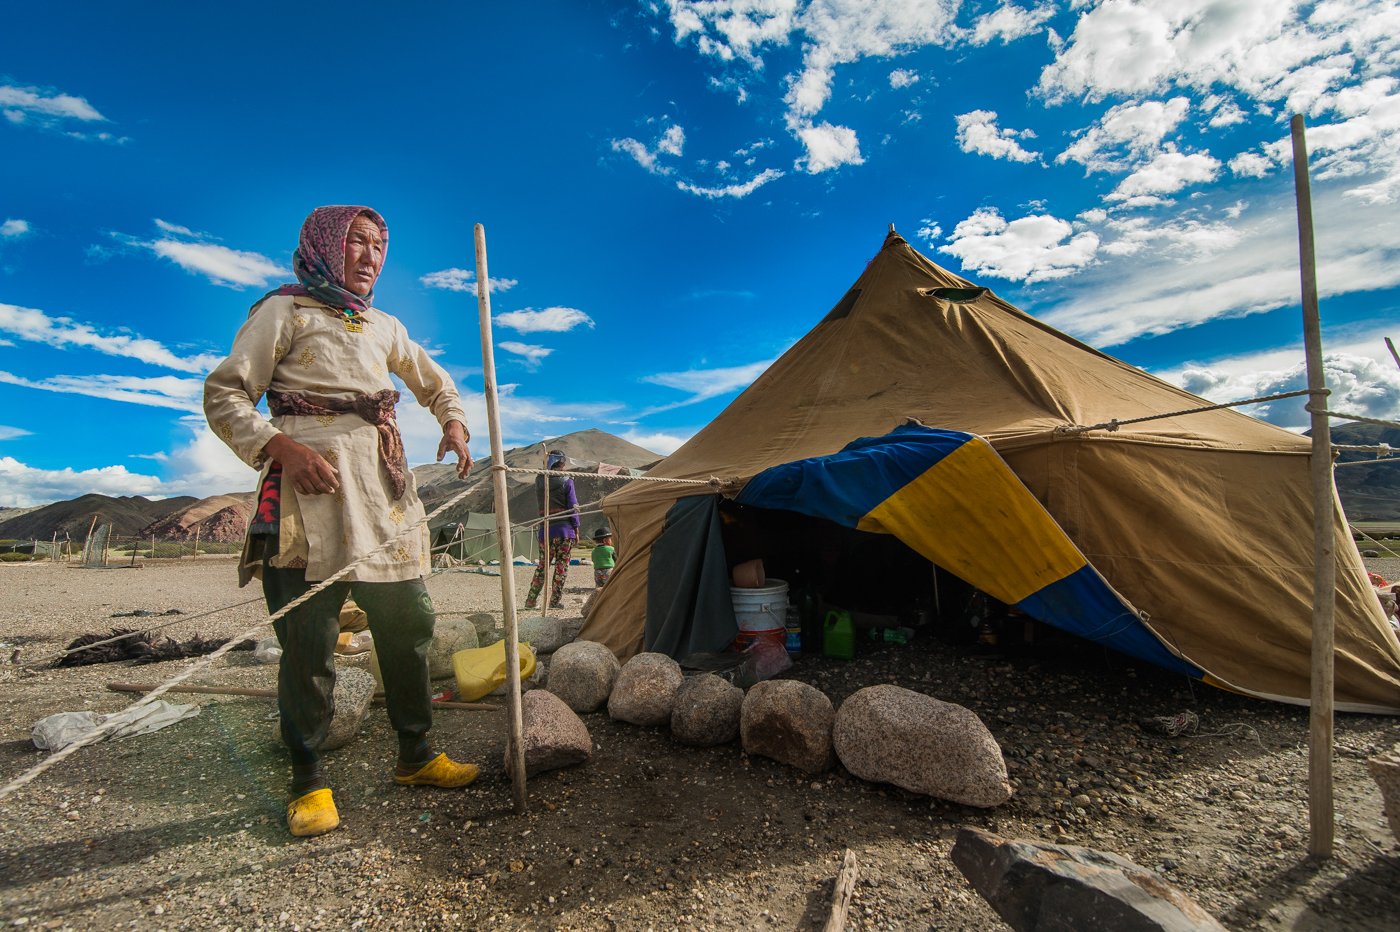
x: 376, y: 409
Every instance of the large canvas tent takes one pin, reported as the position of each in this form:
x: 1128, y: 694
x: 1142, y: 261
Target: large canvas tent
x: 1186, y: 540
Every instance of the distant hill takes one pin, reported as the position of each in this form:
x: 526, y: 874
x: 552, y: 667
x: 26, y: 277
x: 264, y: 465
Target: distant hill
x: 217, y: 518
x: 585, y: 449
x: 128, y: 515
x: 1368, y: 493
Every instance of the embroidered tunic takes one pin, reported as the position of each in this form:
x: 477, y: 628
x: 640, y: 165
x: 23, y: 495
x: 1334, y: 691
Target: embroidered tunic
x: 300, y: 345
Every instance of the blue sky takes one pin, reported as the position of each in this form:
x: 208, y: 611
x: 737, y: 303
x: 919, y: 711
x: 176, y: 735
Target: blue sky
x: 673, y: 194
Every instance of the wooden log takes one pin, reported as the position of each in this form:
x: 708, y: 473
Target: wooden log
x: 841, y: 896
x: 272, y: 694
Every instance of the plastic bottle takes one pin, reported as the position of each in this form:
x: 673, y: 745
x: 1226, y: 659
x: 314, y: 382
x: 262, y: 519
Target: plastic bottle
x: 793, y: 636
x: 838, y: 635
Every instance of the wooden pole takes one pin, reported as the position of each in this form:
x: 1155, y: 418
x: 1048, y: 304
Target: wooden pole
x: 1320, y: 814
x: 53, y: 548
x: 841, y: 895
x: 544, y: 555
x: 272, y: 694
x: 87, y: 543
x: 515, y: 743
x: 196, y: 542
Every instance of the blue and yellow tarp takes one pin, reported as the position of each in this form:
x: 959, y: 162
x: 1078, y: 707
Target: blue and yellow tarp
x: 949, y: 496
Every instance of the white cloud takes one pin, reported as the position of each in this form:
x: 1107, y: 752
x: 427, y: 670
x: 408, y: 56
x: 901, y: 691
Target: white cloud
x: 167, y: 391
x: 10, y: 433
x: 231, y: 268
x: 1030, y: 249
x: 1167, y: 173
x: 1357, y: 248
x: 903, y: 77
x: 178, y: 230
x: 61, y: 332
x: 46, y: 104
x: 1227, y: 115
x: 733, y: 190
x: 1009, y: 23
x: 546, y: 320
x: 657, y: 442
x: 929, y: 231
x: 22, y: 485
x: 1126, y: 134
x: 464, y: 280
x: 532, y: 354
x: 14, y: 229
x: 703, y: 384
x: 1188, y: 238
x: 828, y: 147
x: 1251, y: 165
x: 978, y: 133
x: 729, y: 29
x: 1360, y: 384
x: 671, y: 142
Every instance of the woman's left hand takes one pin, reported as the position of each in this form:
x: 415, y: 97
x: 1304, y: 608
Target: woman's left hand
x: 454, y: 440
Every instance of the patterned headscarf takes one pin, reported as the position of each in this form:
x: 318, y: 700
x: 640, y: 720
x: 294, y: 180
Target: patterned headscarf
x: 319, y: 262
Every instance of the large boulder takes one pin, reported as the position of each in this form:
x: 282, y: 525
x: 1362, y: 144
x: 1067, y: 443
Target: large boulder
x: 1037, y: 887
x: 553, y: 735
x: 449, y: 636
x: 1385, y: 769
x: 706, y: 711
x: 354, y: 688
x: 645, y: 691
x: 544, y: 633
x: 789, y: 722
x: 582, y: 674
x: 488, y: 628
x: 887, y: 734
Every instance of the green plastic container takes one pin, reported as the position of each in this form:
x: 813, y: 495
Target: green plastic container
x: 839, y: 635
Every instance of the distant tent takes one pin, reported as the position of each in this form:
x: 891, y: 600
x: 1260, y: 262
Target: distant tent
x: 473, y: 538
x: 926, y: 409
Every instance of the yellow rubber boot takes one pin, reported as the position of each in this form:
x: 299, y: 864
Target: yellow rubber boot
x: 312, y: 814
x: 441, y: 771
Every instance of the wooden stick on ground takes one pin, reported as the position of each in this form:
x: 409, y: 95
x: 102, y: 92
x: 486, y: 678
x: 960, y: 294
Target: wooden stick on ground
x: 841, y: 897
x: 272, y: 694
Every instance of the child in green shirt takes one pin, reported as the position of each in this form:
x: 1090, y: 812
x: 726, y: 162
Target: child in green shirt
x: 604, y: 556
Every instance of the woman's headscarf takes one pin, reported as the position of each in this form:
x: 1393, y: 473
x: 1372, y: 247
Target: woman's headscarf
x: 319, y: 261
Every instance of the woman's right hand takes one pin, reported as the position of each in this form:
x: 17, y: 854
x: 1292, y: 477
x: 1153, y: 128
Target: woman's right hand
x: 306, y: 470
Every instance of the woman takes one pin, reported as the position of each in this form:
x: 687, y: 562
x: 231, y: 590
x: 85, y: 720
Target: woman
x: 562, y: 507
x: 334, y: 488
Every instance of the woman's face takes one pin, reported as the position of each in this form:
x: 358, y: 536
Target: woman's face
x: 364, y: 255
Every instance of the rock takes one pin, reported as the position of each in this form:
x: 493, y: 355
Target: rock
x: 544, y: 633
x: 706, y: 711
x: 582, y: 674
x: 1037, y: 886
x: 488, y: 628
x: 353, y: 690
x: 887, y: 734
x: 554, y: 736
x: 789, y: 722
x: 449, y: 636
x: 645, y: 691
x: 1385, y: 770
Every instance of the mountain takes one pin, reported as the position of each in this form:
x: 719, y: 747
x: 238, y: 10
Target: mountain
x: 128, y: 515
x: 1368, y: 493
x: 217, y: 518
x: 585, y: 449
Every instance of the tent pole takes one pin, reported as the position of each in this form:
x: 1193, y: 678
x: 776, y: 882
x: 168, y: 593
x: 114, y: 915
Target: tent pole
x: 1320, y: 812
x: 546, y: 595
x: 515, y: 744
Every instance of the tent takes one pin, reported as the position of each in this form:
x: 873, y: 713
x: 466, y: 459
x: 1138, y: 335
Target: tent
x: 473, y: 538
x: 926, y: 409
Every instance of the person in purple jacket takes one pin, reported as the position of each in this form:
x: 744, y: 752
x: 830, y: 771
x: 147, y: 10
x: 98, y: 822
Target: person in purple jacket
x: 562, y: 502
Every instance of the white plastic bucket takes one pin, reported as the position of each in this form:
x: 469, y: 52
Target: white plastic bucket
x: 761, y: 609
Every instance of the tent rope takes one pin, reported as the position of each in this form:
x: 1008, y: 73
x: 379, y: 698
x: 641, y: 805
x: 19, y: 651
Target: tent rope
x: 1353, y: 417
x: 1116, y: 423
x: 203, y: 663
x: 714, y: 481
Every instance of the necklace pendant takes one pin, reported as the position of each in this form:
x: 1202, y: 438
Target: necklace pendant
x: 354, y: 326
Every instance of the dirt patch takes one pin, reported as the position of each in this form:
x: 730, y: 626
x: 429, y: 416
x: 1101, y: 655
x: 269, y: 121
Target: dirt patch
x: 184, y: 828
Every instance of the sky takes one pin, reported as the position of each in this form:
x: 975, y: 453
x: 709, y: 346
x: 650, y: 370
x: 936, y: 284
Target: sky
x: 673, y: 194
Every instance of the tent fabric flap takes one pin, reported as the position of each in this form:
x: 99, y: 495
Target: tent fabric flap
x: 689, y: 608
x: 951, y: 498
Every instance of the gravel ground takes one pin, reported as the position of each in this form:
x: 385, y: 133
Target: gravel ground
x: 184, y: 828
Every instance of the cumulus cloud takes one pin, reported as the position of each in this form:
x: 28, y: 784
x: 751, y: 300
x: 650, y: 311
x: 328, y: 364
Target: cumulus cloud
x: 1029, y: 249
x: 903, y: 77
x: 1009, y: 23
x: 464, y: 280
x: 671, y: 142
x: 22, y: 485
x: 14, y: 229
x: 530, y: 353
x: 546, y: 320
x: 1251, y: 165
x: 1167, y: 173
x: 166, y: 391
x: 36, y: 326
x: 1125, y: 135
x: 978, y: 133
x: 657, y: 441
x: 739, y: 190
x: 1359, y: 384
x: 1357, y: 247
x: 828, y: 147
x: 703, y: 384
